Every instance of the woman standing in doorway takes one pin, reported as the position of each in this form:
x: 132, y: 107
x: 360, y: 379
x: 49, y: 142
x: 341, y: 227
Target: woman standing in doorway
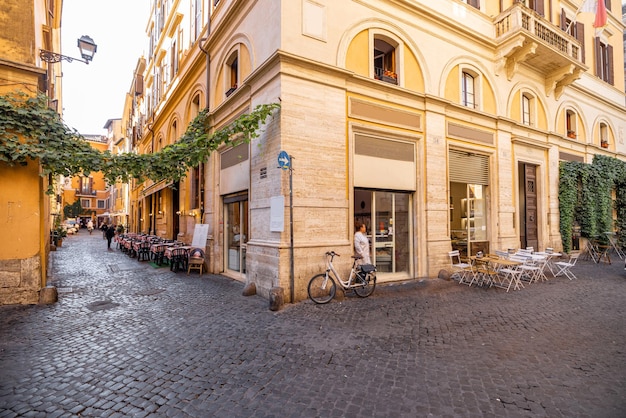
x: 361, y: 243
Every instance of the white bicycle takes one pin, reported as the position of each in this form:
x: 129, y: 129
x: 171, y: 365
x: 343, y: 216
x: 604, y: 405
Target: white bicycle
x: 362, y: 280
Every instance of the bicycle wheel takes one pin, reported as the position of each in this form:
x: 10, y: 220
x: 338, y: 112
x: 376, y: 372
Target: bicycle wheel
x: 322, y: 290
x: 364, y: 286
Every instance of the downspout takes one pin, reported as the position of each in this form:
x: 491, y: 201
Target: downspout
x: 208, y: 102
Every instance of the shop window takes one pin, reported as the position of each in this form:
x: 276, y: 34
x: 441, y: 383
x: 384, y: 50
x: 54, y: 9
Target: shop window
x: 385, y: 60
x: 570, y: 124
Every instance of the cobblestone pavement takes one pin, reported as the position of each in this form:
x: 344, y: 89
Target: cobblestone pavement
x: 127, y: 339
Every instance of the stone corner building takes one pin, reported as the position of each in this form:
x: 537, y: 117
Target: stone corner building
x: 26, y: 211
x: 439, y: 124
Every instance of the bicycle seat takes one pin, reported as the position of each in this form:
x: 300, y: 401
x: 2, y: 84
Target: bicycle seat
x: 367, y: 268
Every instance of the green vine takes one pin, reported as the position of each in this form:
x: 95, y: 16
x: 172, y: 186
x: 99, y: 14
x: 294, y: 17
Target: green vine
x: 585, y: 197
x: 30, y: 130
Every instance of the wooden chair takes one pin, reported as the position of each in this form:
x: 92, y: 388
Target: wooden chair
x: 196, y: 260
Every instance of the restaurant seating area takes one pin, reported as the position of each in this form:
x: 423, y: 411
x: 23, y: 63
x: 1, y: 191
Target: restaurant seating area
x: 161, y: 252
x: 511, y: 269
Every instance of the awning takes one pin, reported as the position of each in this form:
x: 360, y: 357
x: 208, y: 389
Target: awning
x: 155, y: 187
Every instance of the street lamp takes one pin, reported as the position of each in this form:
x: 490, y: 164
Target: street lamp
x: 87, y: 48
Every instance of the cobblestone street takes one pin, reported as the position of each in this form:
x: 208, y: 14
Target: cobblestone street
x: 130, y: 340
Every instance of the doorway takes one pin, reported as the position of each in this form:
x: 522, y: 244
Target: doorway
x: 387, y: 221
x: 235, y: 233
x: 529, y: 236
x: 468, y: 219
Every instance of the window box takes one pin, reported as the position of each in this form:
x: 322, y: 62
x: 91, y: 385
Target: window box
x: 604, y: 144
x: 231, y: 90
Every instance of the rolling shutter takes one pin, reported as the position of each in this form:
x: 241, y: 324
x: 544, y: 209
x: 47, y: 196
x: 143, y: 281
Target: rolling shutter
x: 465, y: 167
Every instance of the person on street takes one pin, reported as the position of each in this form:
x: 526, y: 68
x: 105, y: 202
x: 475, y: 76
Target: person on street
x: 361, y: 243
x: 110, y: 233
x: 104, y: 228
x: 90, y: 226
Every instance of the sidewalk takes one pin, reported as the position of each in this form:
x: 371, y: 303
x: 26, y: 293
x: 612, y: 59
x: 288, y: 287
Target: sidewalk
x: 127, y: 339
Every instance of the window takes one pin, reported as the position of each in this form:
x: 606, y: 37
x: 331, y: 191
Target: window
x: 196, y: 22
x: 536, y: 5
x: 604, y: 61
x: 473, y: 3
x: 385, y: 60
x: 85, y: 203
x: 527, y: 102
x: 570, y: 124
x: 101, y: 204
x: 173, y: 60
x: 604, y: 135
x: 467, y: 90
x: 232, y: 74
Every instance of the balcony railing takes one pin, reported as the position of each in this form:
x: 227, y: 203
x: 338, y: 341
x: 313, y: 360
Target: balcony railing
x: 85, y: 192
x: 525, y: 37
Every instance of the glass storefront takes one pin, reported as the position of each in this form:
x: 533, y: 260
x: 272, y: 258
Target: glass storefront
x: 386, y: 217
x: 236, y: 232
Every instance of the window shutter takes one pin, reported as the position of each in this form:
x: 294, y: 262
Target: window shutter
x: 474, y: 3
x: 563, y: 20
x: 580, y: 37
x: 465, y: 167
x: 598, y: 54
x: 539, y: 7
x: 611, y: 79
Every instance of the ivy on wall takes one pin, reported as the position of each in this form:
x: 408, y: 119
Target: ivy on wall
x: 586, y: 198
x: 30, y: 130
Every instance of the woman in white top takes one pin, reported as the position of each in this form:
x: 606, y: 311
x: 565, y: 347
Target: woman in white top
x: 361, y: 243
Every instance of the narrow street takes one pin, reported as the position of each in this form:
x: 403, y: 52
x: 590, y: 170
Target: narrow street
x: 130, y: 340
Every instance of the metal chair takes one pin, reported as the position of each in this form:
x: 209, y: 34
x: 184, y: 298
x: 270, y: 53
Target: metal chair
x: 565, y: 267
x: 460, y: 269
x: 178, y: 260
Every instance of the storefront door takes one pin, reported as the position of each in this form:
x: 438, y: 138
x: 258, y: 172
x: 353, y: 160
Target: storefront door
x: 235, y: 233
x: 387, y: 220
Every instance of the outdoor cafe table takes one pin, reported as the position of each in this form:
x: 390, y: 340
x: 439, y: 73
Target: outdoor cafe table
x: 168, y: 251
x: 497, y: 263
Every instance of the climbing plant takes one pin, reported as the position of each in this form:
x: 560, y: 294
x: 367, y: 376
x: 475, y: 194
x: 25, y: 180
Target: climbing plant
x: 30, y: 130
x: 586, y: 198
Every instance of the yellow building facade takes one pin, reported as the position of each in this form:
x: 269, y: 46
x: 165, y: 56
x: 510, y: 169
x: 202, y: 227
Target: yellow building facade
x: 25, y: 208
x: 440, y: 125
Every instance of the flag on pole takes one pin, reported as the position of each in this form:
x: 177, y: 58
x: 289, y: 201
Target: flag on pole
x: 601, y: 15
x: 599, y: 8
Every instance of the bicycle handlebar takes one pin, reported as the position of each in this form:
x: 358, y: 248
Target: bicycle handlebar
x: 332, y: 254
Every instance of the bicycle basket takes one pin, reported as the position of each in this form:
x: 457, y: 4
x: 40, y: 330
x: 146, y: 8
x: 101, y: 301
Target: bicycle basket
x: 368, y: 268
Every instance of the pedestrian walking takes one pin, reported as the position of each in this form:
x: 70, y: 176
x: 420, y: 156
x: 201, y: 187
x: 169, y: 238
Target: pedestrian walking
x: 104, y: 228
x: 110, y: 233
x: 361, y: 243
x: 90, y: 226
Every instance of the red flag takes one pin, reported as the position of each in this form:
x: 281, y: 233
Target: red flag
x: 601, y: 15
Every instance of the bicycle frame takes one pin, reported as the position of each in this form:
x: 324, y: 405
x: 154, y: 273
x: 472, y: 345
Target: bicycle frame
x: 329, y: 267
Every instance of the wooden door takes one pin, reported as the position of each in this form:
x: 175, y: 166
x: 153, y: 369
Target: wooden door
x: 530, y: 238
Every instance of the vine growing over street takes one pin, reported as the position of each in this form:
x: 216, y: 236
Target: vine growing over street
x: 30, y: 131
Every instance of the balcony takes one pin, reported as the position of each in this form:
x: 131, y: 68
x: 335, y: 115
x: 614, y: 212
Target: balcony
x: 524, y: 37
x: 85, y: 192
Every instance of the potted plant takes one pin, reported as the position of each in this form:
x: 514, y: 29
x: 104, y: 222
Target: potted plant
x: 604, y: 144
x: 59, y: 233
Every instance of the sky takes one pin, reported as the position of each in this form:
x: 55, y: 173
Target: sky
x: 94, y: 93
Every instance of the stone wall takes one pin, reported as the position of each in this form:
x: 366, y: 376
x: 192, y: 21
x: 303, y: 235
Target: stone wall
x: 20, y: 281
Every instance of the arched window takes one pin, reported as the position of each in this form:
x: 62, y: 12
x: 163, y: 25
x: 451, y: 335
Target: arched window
x: 570, y: 124
x: 604, y: 135
x: 527, y: 109
x: 385, y: 59
x: 232, y: 73
x: 468, y: 90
